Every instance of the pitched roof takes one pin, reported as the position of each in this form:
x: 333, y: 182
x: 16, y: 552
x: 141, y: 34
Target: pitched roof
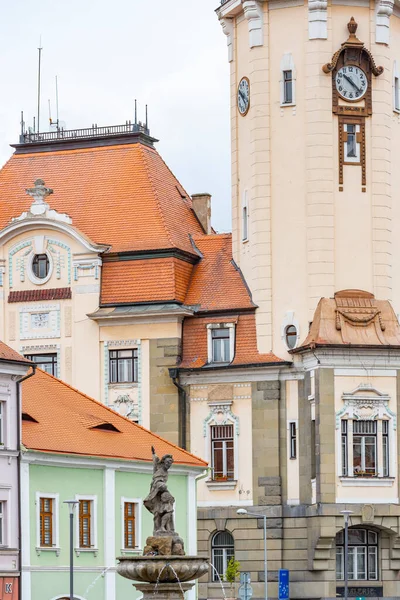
x: 194, y: 346
x: 67, y: 421
x: 217, y: 282
x: 147, y: 280
x: 7, y: 353
x: 124, y: 196
x: 353, y: 318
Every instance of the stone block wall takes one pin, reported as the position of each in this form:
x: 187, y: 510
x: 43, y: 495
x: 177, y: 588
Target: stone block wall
x: 164, y: 397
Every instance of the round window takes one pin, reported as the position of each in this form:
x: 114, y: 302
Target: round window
x: 290, y: 336
x: 40, y: 266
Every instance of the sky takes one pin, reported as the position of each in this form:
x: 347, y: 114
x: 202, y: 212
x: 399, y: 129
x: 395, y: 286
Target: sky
x: 171, y: 56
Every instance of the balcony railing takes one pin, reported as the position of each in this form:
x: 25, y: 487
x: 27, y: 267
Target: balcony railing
x: 78, y: 134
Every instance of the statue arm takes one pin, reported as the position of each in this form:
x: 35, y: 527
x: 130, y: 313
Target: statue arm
x: 156, y: 460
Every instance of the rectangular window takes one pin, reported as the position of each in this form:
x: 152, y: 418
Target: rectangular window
x: 129, y: 525
x: 287, y: 87
x: 220, y: 345
x: 222, y: 452
x: 245, y: 225
x: 85, y: 526
x: 396, y: 94
x: 2, y: 423
x: 2, y: 536
x: 344, y: 449
x: 313, y: 449
x: 385, y: 447
x: 123, y: 366
x: 293, y: 440
x: 364, y: 448
x: 47, y: 362
x: 46, y: 522
x: 351, y: 144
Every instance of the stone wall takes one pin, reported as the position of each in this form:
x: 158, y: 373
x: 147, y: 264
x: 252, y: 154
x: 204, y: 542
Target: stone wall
x: 164, y: 398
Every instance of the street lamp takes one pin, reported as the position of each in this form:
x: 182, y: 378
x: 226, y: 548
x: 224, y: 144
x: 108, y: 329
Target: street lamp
x: 243, y: 511
x: 346, y: 514
x: 71, y: 507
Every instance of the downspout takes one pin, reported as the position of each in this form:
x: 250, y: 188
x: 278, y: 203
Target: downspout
x: 18, y: 381
x: 174, y: 374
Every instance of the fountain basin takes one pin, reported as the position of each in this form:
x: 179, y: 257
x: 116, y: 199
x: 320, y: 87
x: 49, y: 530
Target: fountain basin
x: 162, y: 569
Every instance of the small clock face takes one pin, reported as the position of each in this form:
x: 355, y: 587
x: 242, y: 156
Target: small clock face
x: 243, y: 96
x: 351, y: 83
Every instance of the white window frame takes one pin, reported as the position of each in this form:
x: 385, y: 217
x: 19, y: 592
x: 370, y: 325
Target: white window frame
x: 55, y: 525
x: 5, y: 496
x: 229, y: 418
x: 290, y: 319
x: 231, y: 327
x: 352, y: 159
x: 31, y: 275
x: 138, y: 525
x: 3, y: 528
x: 396, y: 88
x: 2, y: 419
x: 245, y: 218
x: 93, y: 525
x: 291, y: 424
x: 287, y: 64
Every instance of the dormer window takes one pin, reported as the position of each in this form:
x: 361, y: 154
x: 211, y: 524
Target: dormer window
x: 40, y: 266
x: 221, y: 342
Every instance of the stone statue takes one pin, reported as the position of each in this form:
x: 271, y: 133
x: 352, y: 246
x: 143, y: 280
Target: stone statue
x: 160, y: 502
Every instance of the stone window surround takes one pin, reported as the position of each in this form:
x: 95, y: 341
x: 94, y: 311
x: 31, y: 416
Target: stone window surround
x: 5, y: 395
x: 396, y: 87
x: 29, y: 269
x: 5, y: 494
x: 290, y: 319
x: 354, y: 402
x: 56, y: 529
x: 231, y: 327
x: 118, y: 345
x: 138, y: 525
x: 245, y: 218
x: 93, y: 525
x: 44, y: 349
x: 287, y: 64
x: 224, y: 407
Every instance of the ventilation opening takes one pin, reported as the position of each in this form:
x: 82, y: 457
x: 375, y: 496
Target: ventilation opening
x: 291, y: 336
x: 27, y: 417
x: 106, y: 427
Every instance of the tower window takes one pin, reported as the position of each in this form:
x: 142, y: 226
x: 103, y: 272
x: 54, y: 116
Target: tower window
x: 287, y: 87
x: 351, y: 144
x: 40, y: 266
x: 396, y: 94
x: 290, y: 336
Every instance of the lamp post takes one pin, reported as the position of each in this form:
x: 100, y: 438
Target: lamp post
x: 243, y: 511
x: 346, y: 514
x: 71, y: 507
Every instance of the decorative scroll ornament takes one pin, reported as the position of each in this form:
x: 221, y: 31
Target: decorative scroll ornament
x: 39, y: 206
x: 221, y: 414
x: 355, y: 48
x: 365, y: 403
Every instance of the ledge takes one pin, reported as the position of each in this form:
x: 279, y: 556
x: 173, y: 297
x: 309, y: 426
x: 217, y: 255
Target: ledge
x: 95, y: 551
x: 215, y: 485
x: 367, y: 481
x: 136, y: 551
x: 40, y: 549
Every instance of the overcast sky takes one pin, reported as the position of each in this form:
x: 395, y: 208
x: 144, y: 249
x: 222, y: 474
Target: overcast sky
x: 170, y: 55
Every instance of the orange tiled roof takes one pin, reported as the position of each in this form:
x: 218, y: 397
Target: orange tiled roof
x: 217, y: 283
x: 147, y: 280
x: 195, y: 341
x: 66, y: 419
x: 124, y: 196
x: 7, y: 353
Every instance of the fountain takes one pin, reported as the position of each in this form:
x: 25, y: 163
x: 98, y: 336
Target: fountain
x: 164, y: 568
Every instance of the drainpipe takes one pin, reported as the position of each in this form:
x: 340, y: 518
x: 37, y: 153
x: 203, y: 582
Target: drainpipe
x: 18, y: 381
x: 174, y: 374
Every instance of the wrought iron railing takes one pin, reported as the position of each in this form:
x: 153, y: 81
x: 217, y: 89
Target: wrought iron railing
x: 76, y: 134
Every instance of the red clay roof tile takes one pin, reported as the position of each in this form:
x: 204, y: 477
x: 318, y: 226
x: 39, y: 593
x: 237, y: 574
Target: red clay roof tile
x: 38, y: 295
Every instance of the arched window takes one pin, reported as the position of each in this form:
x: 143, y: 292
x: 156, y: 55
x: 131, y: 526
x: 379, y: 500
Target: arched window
x: 362, y: 556
x: 40, y: 266
x: 222, y: 550
x: 291, y: 336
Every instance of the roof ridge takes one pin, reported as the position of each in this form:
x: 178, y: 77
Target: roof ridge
x: 156, y: 196
x: 115, y: 414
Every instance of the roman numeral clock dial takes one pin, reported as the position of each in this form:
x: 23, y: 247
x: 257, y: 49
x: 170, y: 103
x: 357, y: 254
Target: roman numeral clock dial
x: 243, y: 96
x: 351, y: 83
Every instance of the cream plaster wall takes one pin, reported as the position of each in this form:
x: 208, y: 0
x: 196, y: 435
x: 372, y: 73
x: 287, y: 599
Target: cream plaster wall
x: 365, y: 489
x: 200, y: 396
x: 308, y: 239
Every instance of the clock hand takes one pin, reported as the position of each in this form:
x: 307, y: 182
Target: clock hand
x: 349, y: 79
x: 242, y: 95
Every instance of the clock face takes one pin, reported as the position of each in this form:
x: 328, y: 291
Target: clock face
x: 243, y: 96
x: 351, y: 83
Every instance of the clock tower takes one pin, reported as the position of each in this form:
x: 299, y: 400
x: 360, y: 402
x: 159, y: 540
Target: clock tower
x: 315, y: 134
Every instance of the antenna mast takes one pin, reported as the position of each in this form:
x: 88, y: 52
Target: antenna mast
x: 39, y: 65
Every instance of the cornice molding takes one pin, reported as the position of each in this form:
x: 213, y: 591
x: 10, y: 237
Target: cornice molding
x: 253, y: 12
x: 384, y: 10
x: 317, y: 19
x: 227, y: 25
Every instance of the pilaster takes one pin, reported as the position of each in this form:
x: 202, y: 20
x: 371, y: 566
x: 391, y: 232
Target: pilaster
x: 325, y: 435
x: 304, y: 440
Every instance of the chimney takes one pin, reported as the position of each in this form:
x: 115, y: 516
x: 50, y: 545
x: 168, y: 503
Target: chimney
x: 202, y: 208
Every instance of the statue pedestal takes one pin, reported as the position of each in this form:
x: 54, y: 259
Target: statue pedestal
x: 163, y: 591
